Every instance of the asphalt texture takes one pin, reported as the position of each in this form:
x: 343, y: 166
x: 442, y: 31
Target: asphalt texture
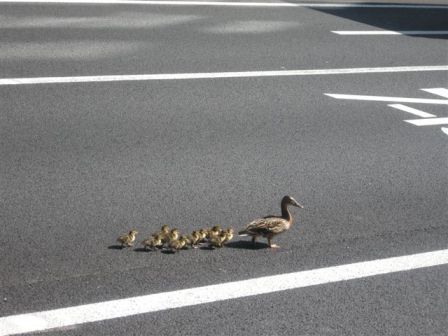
x: 83, y: 163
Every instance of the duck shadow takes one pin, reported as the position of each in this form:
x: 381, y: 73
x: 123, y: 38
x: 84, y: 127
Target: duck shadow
x: 248, y: 245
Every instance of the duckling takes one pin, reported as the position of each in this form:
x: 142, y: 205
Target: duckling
x: 153, y: 242
x: 173, y: 234
x: 178, y: 244
x: 271, y: 226
x: 187, y: 240
x: 164, y: 232
x: 195, y: 238
x: 203, y: 235
x: 228, y: 235
x: 127, y: 239
x: 213, y: 232
x: 218, y: 240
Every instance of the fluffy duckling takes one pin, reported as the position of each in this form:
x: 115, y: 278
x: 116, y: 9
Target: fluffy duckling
x: 228, y: 235
x: 164, y: 232
x: 178, y: 244
x: 195, y: 239
x: 218, y: 240
x: 173, y: 235
x: 127, y: 239
x: 203, y: 235
x: 213, y: 232
x: 153, y: 242
x: 187, y: 240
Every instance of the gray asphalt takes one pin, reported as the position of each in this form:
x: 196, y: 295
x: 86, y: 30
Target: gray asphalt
x: 82, y: 163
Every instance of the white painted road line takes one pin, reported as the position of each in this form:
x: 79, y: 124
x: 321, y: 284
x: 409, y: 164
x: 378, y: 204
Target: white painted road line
x: 390, y: 99
x: 412, y: 110
x: 445, y: 130
x: 214, y: 75
x: 438, y: 91
x: 100, y: 311
x: 390, y: 32
x: 229, y: 4
x: 428, y: 122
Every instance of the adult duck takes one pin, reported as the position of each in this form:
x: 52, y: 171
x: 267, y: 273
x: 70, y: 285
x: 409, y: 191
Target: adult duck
x: 271, y: 226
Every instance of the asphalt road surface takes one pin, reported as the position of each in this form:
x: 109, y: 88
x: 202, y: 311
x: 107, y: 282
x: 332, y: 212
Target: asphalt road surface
x: 82, y: 162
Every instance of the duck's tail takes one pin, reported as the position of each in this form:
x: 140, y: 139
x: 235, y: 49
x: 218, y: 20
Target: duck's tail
x: 243, y: 233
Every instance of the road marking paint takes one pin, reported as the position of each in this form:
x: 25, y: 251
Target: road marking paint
x: 438, y: 91
x: 412, y: 110
x: 214, y: 75
x: 389, y: 99
x: 100, y: 311
x: 229, y: 4
x: 445, y: 130
x: 390, y: 32
x: 428, y: 122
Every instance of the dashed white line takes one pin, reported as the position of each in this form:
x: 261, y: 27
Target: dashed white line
x: 428, y: 122
x: 214, y: 75
x: 100, y: 311
x: 390, y: 99
x: 229, y: 4
x: 412, y: 110
x: 390, y: 32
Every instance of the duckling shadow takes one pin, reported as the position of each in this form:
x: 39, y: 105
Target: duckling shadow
x: 248, y: 245
x: 207, y: 248
x: 115, y: 247
x: 142, y: 249
x: 167, y: 252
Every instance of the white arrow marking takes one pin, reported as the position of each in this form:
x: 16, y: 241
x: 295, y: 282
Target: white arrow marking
x: 390, y: 99
x: 438, y: 91
x: 428, y: 122
x: 412, y: 110
x: 445, y: 130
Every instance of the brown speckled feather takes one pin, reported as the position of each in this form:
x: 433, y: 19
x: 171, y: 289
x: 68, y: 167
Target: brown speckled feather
x: 267, y: 226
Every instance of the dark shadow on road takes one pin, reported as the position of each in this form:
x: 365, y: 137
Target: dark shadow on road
x: 246, y: 244
x: 142, y: 249
x: 395, y: 18
x: 115, y: 247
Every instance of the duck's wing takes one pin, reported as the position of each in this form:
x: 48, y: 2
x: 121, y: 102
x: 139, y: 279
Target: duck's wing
x: 266, y: 225
x: 122, y: 238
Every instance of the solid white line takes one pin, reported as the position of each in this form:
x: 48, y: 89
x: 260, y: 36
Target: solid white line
x: 390, y: 32
x: 100, y: 311
x: 228, y: 4
x: 428, y: 122
x: 211, y: 75
x: 389, y: 99
x: 412, y: 110
x: 438, y: 91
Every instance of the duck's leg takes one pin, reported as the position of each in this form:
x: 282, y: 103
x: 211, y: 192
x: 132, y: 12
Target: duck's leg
x: 254, y: 238
x: 270, y: 243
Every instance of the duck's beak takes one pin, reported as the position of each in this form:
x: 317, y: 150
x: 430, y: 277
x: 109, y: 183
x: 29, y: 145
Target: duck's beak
x: 298, y: 205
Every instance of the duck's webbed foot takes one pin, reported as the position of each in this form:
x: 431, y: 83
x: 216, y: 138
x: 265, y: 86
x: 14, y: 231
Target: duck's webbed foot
x: 272, y: 245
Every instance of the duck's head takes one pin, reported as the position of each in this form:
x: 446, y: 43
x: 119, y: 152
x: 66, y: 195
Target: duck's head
x: 291, y: 201
x: 133, y: 232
